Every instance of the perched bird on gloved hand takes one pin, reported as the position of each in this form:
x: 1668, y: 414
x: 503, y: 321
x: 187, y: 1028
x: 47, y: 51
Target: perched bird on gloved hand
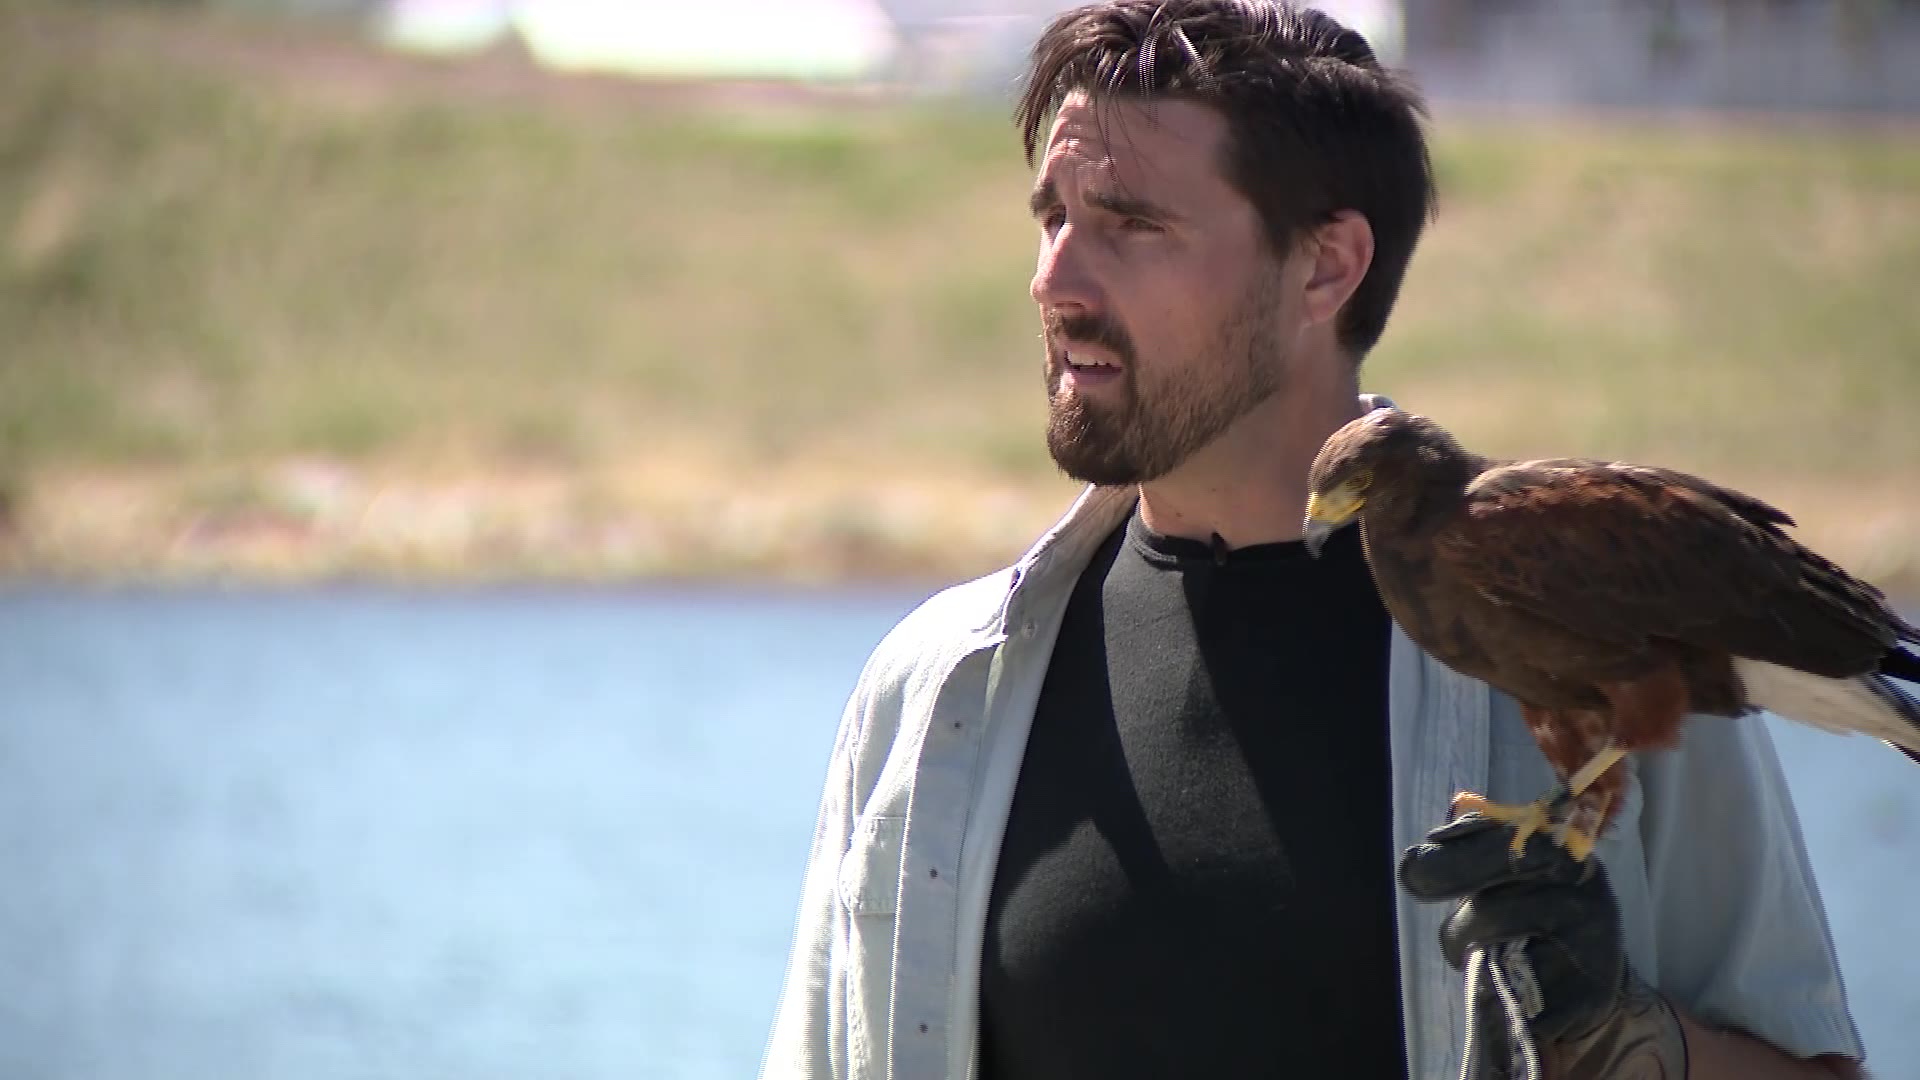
x: 1612, y: 600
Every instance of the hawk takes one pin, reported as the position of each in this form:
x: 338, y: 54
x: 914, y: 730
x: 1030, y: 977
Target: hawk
x: 1610, y: 600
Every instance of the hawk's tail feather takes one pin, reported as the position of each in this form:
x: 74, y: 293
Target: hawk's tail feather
x: 1903, y: 704
x: 1871, y: 704
x: 1901, y: 664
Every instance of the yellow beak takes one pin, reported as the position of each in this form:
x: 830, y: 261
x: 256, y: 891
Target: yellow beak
x: 1326, y: 513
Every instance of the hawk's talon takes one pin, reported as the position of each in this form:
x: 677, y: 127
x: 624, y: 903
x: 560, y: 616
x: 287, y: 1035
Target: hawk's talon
x: 1577, y: 841
x: 1525, y: 820
x: 1540, y: 815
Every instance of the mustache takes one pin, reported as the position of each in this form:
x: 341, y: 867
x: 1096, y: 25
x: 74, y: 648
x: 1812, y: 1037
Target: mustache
x: 1091, y: 329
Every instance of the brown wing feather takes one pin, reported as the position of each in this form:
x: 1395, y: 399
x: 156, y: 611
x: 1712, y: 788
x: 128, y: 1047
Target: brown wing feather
x: 1626, y: 553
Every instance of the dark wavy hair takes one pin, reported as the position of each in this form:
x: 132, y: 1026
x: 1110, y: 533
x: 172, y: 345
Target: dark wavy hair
x: 1316, y: 124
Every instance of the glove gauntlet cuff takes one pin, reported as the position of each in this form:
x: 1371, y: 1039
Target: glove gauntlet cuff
x: 1641, y: 1040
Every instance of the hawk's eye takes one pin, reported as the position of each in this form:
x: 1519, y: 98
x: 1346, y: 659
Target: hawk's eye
x: 1359, y: 481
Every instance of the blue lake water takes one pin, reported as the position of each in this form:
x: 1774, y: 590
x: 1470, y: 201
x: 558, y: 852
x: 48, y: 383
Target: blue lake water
x: 345, y: 834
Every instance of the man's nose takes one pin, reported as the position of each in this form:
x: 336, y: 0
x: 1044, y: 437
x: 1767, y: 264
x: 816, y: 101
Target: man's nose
x: 1063, y: 280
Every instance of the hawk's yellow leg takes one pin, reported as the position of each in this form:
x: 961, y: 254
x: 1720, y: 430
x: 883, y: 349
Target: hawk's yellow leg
x: 1539, y: 814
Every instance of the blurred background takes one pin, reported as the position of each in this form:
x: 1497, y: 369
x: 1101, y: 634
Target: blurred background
x: 455, y: 456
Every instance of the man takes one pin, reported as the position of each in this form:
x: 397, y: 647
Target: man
x: 1132, y: 807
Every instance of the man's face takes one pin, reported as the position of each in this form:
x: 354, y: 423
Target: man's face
x: 1164, y: 311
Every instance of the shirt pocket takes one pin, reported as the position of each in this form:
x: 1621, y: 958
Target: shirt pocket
x: 869, y: 890
x: 869, y: 881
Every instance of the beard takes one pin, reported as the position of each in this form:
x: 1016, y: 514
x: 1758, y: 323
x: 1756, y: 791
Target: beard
x: 1166, y: 411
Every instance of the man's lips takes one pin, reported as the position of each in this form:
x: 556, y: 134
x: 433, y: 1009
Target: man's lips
x: 1088, y: 367
x: 1089, y: 358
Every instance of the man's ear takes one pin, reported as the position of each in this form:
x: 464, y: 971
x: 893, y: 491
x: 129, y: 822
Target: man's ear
x: 1340, y: 250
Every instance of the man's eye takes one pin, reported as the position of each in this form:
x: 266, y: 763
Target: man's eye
x: 1139, y: 225
x: 1053, y: 220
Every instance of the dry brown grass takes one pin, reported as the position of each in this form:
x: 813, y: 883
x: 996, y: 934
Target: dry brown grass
x: 532, y: 325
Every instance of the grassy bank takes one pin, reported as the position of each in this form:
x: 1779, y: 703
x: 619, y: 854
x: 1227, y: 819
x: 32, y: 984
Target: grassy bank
x: 281, y: 306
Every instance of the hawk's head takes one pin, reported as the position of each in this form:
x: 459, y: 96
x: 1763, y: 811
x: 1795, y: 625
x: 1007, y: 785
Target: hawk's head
x: 1384, y: 444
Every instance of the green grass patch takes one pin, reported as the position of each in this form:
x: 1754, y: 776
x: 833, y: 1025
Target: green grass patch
x: 203, y: 262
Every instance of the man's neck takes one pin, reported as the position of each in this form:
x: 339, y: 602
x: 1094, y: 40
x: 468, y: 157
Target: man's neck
x: 1250, y: 485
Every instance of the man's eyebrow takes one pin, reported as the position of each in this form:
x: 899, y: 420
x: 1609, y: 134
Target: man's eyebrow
x: 1046, y: 196
x: 1130, y: 206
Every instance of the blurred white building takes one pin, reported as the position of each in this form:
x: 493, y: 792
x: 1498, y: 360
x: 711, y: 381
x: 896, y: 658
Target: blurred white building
x: 804, y: 39
x: 1758, y: 54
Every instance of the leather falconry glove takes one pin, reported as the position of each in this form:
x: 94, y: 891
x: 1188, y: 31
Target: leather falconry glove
x: 1550, y: 990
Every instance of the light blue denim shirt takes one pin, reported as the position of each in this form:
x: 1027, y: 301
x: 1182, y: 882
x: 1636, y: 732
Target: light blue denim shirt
x: 1719, y: 905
